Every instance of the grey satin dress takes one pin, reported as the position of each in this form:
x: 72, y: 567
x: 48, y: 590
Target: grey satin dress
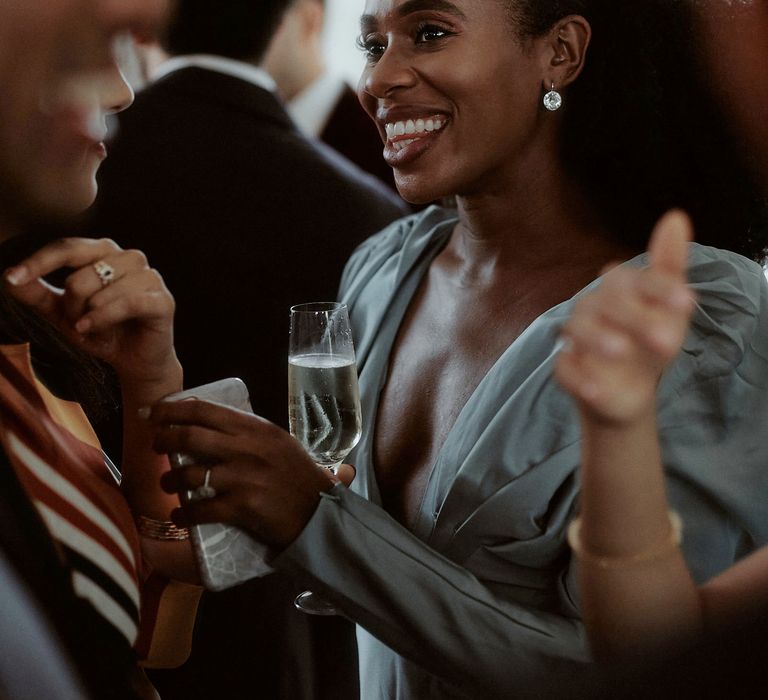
x: 479, y: 600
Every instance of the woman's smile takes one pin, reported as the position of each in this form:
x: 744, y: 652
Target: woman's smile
x: 407, y: 139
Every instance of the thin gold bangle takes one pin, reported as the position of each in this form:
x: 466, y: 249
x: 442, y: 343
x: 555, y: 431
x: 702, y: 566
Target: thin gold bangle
x: 655, y: 551
x: 161, y: 529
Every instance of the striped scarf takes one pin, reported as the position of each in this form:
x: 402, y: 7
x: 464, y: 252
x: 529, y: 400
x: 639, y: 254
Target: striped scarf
x: 77, y: 499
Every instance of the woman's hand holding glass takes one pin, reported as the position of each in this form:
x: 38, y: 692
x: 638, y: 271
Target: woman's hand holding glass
x: 265, y: 481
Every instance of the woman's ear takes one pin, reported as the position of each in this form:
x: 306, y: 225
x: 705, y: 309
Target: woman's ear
x: 566, y: 47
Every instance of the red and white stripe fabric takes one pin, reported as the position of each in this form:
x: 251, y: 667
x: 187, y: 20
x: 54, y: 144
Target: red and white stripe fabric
x: 75, y: 495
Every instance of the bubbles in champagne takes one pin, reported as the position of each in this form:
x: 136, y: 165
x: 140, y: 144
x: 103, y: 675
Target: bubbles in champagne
x: 324, y: 405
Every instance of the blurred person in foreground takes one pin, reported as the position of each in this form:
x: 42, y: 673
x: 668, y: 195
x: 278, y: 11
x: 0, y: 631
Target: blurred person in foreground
x: 565, y: 130
x: 94, y: 547
x: 319, y: 101
x: 245, y: 217
x: 641, y: 605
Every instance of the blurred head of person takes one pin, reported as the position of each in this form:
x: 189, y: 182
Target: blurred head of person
x: 58, y: 81
x: 295, y: 58
x: 736, y: 37
x: 639, y: 131
x: 236, y: 29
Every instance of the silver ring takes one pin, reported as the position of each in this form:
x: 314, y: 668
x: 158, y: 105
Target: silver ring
x: 105, y: 271
x: 206, y: 490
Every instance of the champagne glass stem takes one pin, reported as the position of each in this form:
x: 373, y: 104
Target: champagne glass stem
x: 309, y: 602
x: 312, y: 604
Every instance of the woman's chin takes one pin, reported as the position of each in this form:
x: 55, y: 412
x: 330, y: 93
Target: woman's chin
x: 66, y: 202
x: 415, y: 191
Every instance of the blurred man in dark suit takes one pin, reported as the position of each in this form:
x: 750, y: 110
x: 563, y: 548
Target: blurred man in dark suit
x: 320, y: 102
x: 245, y: 217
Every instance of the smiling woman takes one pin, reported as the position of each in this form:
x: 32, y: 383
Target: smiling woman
x: 449, y: 549
x: 429, y: 61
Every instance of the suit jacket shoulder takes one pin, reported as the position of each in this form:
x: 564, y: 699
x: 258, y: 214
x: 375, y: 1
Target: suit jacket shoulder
x: 241, y: 214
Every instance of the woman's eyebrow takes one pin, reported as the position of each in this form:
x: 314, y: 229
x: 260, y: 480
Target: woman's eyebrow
x: 412, y: 6
x: 368, y: 22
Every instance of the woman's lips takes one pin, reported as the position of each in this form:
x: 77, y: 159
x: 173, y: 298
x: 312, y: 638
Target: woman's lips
x: 76, y: 130
x: 92, y: 128
x: 408, y: 139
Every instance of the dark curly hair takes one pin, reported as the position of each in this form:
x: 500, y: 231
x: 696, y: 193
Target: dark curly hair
x: 642, y: 131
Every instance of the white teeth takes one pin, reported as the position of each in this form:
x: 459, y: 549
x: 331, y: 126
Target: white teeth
x: 411, y: 126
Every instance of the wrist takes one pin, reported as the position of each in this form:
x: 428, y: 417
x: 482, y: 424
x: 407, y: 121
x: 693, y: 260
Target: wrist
x: 621, y: 557
x: 150, y: 385
x: 285, y: 536
x: 640, y: 416
x: 618, y: 442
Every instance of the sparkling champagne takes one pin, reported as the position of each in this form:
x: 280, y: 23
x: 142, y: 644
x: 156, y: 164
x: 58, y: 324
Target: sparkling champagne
x: 324, y: 406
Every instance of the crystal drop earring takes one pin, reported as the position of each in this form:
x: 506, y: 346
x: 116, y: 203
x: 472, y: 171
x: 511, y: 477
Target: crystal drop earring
x: 553, y: 100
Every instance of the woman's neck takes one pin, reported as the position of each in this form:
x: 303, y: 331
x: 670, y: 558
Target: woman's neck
x: 537, y: 219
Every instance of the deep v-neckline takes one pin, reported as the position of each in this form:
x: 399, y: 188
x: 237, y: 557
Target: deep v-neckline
x: 458, y: 439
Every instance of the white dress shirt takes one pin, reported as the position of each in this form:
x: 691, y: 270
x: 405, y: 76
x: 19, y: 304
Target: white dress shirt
x: 228, y: 66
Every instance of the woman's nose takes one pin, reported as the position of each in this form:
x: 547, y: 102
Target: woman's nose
x: 117, y: 93
x: 392, y: 71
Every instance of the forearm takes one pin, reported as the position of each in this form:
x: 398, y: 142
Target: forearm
x: 737, y: 594
x: 425, y: 607
x: 142, y: 468
x: 635, y: 586
x: 623, y: 497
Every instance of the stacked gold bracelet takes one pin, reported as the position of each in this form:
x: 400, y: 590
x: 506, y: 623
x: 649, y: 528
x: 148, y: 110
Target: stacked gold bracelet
x: 656, y: 551
x: 161, y: 529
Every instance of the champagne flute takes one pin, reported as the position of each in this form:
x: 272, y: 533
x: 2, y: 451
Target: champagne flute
x: 323, y: 396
